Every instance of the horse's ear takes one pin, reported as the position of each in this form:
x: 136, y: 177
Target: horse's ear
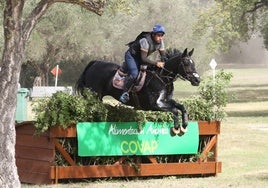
x: 184, y: 53
x: 191, y: 52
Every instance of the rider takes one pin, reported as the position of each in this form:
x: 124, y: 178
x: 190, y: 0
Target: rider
x: 138, y: 53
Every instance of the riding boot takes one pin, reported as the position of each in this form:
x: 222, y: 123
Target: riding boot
x: 130, y: 81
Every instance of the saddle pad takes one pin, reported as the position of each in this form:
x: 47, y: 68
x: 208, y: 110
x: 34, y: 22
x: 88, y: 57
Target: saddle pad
x: 119, y: 81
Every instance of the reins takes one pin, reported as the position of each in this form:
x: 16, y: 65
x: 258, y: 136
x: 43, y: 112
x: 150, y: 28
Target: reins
x: 174, y: 78
x: 170, y: 76
x: 161, y: 77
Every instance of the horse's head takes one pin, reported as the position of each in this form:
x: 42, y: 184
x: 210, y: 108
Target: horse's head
x: 188, y: 66
x: 182, y: 65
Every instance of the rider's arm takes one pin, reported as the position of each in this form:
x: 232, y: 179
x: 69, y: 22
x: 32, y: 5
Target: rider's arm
x: 145, y: 58
x: 162, y: 51
x: 163, y: 55
x: 144, y: 54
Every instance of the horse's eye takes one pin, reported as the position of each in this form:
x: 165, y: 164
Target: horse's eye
x: 187, y: 62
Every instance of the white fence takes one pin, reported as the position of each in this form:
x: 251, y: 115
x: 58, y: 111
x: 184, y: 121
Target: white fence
x: 48, y: 91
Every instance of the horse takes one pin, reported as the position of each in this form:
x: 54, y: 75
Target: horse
x: 157, y: 92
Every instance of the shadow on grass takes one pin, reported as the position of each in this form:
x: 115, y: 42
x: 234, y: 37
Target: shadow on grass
x: 248, y: 113
x: 248, y: 85
x: 248, y: 95
x: 263, y: 176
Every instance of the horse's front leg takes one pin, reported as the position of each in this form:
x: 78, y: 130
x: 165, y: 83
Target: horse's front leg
x: 170, y: 106
x: 184, y: 115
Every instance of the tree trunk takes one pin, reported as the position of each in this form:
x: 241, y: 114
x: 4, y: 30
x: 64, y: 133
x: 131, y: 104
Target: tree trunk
x: 44, y: 67
x: 9, y: 78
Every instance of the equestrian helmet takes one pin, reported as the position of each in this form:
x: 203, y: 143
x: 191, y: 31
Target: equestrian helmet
x: 158, y: 29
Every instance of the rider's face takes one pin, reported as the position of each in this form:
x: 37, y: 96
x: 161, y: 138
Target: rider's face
x: 158, y: 37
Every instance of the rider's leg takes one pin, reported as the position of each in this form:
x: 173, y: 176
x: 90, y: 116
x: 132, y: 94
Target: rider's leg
x: 132, y: 68
x: 130, y: 81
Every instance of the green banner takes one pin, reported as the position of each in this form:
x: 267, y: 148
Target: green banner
x: 123, y: 138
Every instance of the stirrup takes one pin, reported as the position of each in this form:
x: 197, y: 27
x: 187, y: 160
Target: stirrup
x: 124, y: 97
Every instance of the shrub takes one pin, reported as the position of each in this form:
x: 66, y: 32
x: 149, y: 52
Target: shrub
x: 213, y: 97
x: 63, y: 109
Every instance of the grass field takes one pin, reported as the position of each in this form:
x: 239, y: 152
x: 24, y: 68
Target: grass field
x: 243, y: 142
x: 246, y: 85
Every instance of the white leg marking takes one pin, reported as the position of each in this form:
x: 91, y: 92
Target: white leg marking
x: 160, y: 99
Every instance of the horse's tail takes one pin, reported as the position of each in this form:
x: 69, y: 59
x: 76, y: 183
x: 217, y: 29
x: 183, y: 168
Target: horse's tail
x: 80, y: 84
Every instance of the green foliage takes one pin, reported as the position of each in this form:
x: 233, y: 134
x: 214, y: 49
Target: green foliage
x: 198, y: 108
x: 264, y: 30
x: 212, y: 99
x: 132, y: 115
x: 216, y: 89
x: 116, y: 6
x: 226, y: 22
x: 63, y: 110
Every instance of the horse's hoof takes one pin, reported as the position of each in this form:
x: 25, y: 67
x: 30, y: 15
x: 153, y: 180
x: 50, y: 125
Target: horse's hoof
x: 172, y: 132
x: 184, y: 130
x: 175, y: 131
x: 181, y: 133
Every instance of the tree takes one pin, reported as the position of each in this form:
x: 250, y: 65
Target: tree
x: 228, y: 21
x: 16, y: 34
x: 56, y: 38
x: 67, y: 34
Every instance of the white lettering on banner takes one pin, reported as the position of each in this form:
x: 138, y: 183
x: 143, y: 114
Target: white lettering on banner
x: 152, y: 130
x: 114, y: 130
x: 129, y: 131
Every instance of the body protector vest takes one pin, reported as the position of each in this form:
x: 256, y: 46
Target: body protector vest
x: 135, y: 47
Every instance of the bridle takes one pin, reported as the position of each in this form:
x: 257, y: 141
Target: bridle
x: 167, y: 76
x: 175, y: 76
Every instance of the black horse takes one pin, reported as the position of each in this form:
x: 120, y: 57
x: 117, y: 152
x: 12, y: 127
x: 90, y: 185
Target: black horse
x: 157, y: 91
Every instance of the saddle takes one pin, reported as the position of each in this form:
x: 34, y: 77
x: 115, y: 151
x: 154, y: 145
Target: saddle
x: 120, y: 77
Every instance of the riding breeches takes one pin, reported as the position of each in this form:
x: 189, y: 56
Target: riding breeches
x: 131, y: 64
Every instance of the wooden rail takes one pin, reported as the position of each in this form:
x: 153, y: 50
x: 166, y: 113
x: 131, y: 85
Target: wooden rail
x: 35, y: 156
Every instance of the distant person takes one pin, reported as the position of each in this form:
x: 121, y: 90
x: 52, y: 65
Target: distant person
x: 145, y: 44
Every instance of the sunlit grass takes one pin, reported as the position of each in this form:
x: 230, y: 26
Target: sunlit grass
x: 249, y: 76
x: 246, y: 85
x: 247, y: 107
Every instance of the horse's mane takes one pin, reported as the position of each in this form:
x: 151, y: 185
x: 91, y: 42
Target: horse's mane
x: 171, y: 52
